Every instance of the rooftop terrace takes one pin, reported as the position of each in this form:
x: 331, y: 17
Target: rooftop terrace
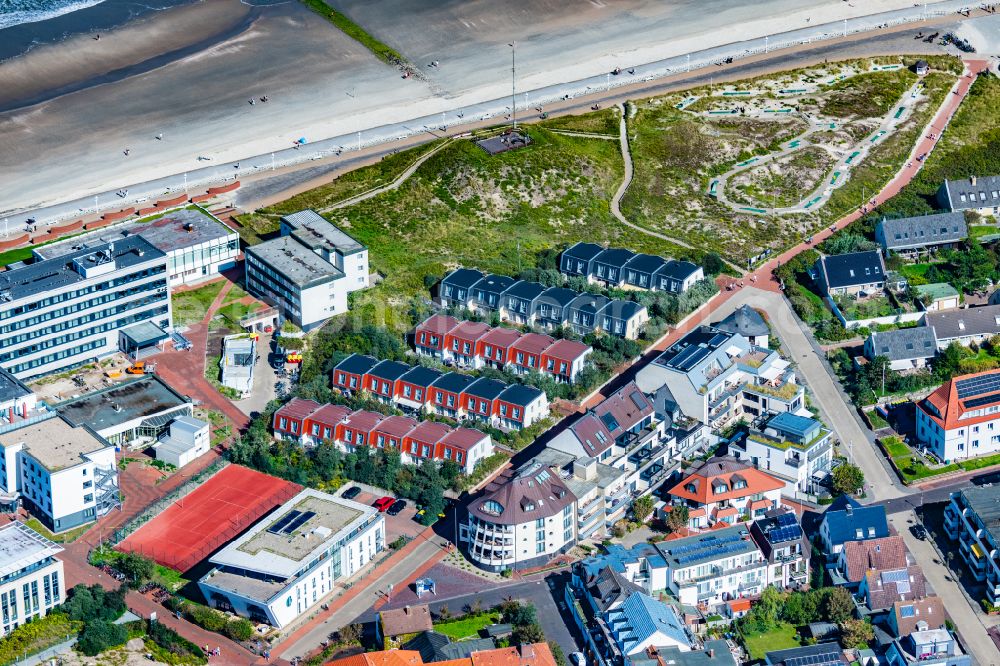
x: 54, y: 443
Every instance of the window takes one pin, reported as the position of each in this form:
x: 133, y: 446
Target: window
x: 540, y: 547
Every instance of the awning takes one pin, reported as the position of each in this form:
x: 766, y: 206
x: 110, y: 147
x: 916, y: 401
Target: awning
x: 760, y: 504
x: 976, y: 550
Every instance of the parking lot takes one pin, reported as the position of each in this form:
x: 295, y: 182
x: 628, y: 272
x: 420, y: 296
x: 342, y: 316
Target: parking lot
x: 403, y: 524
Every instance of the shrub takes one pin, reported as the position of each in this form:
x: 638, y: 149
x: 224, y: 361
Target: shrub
x: 206, y: 618
x: 101, y: 635
x: 173, y: 648
x: 239, y: 629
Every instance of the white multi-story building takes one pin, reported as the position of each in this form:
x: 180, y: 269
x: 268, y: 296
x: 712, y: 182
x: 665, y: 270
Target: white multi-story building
x: 309, y: 271
x: 69, y: 310
x: 31, y: 578
x: 796, y: 449
x: 66, y: 475
x: 961, y: 419
x: 288, y: 563
x: 239, y: 356
x: 187, y: 439
x: 972, y: 518
x: 527, y: 521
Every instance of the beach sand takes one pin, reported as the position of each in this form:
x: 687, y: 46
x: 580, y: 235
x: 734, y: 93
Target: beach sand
x: 187, y: 73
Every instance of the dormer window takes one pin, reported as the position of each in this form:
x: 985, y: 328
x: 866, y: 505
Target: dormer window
x: 720, y: 488
x: 691, y: 488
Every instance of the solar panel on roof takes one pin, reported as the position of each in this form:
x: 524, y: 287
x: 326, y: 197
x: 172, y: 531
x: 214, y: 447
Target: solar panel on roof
x: 298, y: 522
x: 638, y: 399
x: 907, y: 611
x: 897, y: 576
x: 786, y: 520
x: 903, y: 587
x: 982, y: 400
x: 279, y: 527
x: 975, y: 386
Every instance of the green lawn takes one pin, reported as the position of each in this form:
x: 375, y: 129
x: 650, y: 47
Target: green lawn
x: 868, y: 95
x: 467, y: 627
x: 876, y: 420
x: 916, y: 273
x: 190, y: 306
x: 780, y: 638
x: 605, y: 121
x: 895, y: 447
x: 64, y: 537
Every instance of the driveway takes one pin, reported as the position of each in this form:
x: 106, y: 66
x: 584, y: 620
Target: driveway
x: 264, y: 379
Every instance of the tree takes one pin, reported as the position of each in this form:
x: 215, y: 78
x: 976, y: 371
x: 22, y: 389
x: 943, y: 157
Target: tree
x: 848, y: 479
x: 712, y: 263
x: 837, y: 605
x: 557, y: 654
x: 642, y: 508
x: 677, y: 518
x: 801, y: 608
x: 528, y: 633
x: 350, y: 634
x: 239, y: 629
x: 856, y: 633
x: 100, y: 635
x: 137, y: 569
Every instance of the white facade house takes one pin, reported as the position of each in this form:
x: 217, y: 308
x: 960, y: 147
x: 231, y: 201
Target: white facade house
x: 187, y: 439
x: 288, y: 563
x: 961, y: 419
x: 308, y: 271
x: 69, y: 310
x: 239, y: 355
x: 31, y: 578
x: 795, y: 449
x: 972, y: 520
x: 66, y: 475
x: 641, y: 623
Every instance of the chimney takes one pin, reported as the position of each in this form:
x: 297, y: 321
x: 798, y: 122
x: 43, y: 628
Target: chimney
x: 850, y: 510
x: 972, y: 180
x: 406, y: 610
x: 711, y: 653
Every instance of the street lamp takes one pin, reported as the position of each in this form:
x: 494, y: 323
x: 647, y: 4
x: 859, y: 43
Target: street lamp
x: 513, y: 88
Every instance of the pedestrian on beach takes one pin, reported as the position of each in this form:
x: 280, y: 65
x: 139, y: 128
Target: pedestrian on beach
x: 127, y: 151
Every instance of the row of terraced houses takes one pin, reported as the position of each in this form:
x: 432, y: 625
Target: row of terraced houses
x: 454, y: 395
x: 309, y: 423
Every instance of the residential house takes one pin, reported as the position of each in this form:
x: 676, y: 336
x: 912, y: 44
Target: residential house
x: 726, y: 490
x: 520, y: 301
x: 526, y: 353
x: 480, y: 400
x: 785, y: 546
x: 462, y: 344
x: 939, y: 296
x: 429, y: 336
x: 716, y: 377
x: 422, y: 441
x: 382, y: 380
x: 961, y: 418
x: 494, y: 347
x: 820, y: 654
x: 464, y: 447
x: 980, y: 194
x: 624, y: 319
x: 578, y: 259
x: 356, y: 430
x: 639, y: 271
x: 349, y: 374
x: 565, y: 359
x: 930, y: 647
x: 715, y: 652
x: 847, y: 520
x: 396, y: 626
x: 487, y: 293
x: 552, y: 307
x: 642, y: 565
x: 446, y: 394
x: 391, y: 432
x: 434, y: 646
x: 617, y: 421
x: 676, y: 277
x: 32, y: 581
x: 859, y: 557
x: 853, y: 274
x: 796, y: 449
x: 640, y: 623
x: 709, y: 568
x: 520, y: 406
x: 470, y: 652
x: 607, y: 590
x: 323, y: 423
x: 972, y: 519
x: 908, y: 235
x: 523, y: 523
x: 584, y: 313
x: 905, y: 348
x: 289, y: 421
x: 747, y: 322
x: 965, y: 326
x: 916, y: 615
x: 413, y: 392
x: 609, y: 267
x: 881, y: 589
x: 602, y: 496
x: 455, y: 290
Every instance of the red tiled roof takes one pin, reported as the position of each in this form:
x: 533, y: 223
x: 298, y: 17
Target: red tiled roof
x: 363, y: 420
x: 463, y: 438
x: 469, y: 330
x: 438, y: 324
x: 726, y: 512
x: 533, y: 343
x: 873, y: 554
x: 532, y: 654
x: 298, y: 408
x: 945, y: 399
x: 501, y: 337
x: 567, y: 350
x: 759, y: 504
x: 330, y: 414
x: 396, y: 426
x: 724, y: 469
x: 429, y: 432
x: 739, y: 605
x: 406, y: 620
x: 628, y: 405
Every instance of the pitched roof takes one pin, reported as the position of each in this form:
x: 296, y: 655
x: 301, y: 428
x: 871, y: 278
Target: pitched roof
x: 820, y: 654
x: 908, y: 614
x: 531, y: 654
x: 905, y: 343
x: 330, y: 414
x: 890, y: 585
x: 533, y: 343
x: 679, y: 270
x: 614, y: 256
x: 610, y: 588
x: 297, y: 408
x: 641, y: 617
x: 439, y: 324
x: 494, y: 284
x: 364, y: 421
x: 520, y: 394
x: 485, y: 388
x: 594, y: 436
x: 501, y: 337
x: 396, y: 426
x: 590, y: 303
x: 846, y: 516
x: 454, y: 382
x: 746, y: 321
x: 428, y: 644
x: 389, y: 370
x: 855, y: 268
x: 463, y: 277
x: 645, y: 263
x: 973, y: 192
x: 470, y: 330
x: 406, y: 620
x: 418, y: 375
x: 429, y: 432
x: 584, y: 251
x: 624, y: 409
x: 724, y: 471
x: 567, y: 350
x: 983, y: 320
x: 526, y: 290
x: 624, y: 310
x: 948, y: 404
x: 463, y: 438
x: 357, y: 364
x: 922, y: 230
x: 863, y: 556
x: 558, y: 295
x: 533, y: 492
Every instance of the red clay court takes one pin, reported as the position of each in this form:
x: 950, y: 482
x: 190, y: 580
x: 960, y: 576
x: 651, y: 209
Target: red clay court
x: 198, y: 524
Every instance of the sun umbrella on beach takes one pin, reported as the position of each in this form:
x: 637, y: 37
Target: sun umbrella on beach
x: 301, y: 140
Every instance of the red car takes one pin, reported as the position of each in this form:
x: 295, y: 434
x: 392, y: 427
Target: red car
x: 383, y: 503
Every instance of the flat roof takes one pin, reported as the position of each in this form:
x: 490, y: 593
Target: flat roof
x: 44, y: 276
x: 21, y: 546
x: 315, y: 230
x: 296, y: 263
x: 144, y: 397
x: 268, y: 548
x: 144, y: 333
x: 169, y: 232
x: 54, y: 442
x: 11, y: 388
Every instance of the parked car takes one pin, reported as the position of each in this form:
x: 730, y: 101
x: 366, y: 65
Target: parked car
x: 577, y: 659
x: 351, y: 492
x: 396, y: 508
x: 919, y: 531
x: 383, y: 503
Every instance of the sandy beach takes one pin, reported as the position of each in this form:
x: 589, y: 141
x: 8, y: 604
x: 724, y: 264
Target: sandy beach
x: 188, y: 72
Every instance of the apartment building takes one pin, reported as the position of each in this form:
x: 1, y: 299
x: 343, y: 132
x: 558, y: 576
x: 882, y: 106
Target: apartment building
x: 287, y: 564
x: 65, y: 475
x: 522, y: 524
x: 726, y: 490
x: 796, y: 449
x: 62, y: 312
x: 309, y: 270
x: 602, y: 493
x: 961, y: 419
x: 641, y: 623
x: 642, y: 565
x: 32, y: 581
x: 972, y: 520
x: 847, y: 520
x: 784, y: 545
x: 717, y: 376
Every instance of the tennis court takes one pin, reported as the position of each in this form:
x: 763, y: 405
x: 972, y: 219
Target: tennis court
x: 196, y: 525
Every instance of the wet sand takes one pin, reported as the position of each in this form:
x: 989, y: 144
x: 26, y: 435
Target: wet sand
x: 188, y: 72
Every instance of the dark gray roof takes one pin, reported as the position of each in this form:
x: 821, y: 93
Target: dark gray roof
x: 462, y: 649
x: 589, y: 302
x: 429, y: 644
x: 614, y: 256
x: 487, y: 389
x: 421, y: 376
x: 357, y: 364
x: 559, y: 295
x: 821, y: 654
x: 856, y: 268
x: 921, y: 231
x: 463, y: 277
x: 904, y: 343
x: 11, y: 388
x: 389, y: 370
x: 679, y: 270
x: 494, y: 284
x: 526, y: 290
x: 519, y: 394
x: 645, y: 263
x: 611, y: 588
x: 455, y: 382
x: 984, y: 320
x: 965, y: 194
x: 145, y: 397
x: 714, y: 653
x: 623, y: 310
x: 584, y: 251
x: 746, y: 321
